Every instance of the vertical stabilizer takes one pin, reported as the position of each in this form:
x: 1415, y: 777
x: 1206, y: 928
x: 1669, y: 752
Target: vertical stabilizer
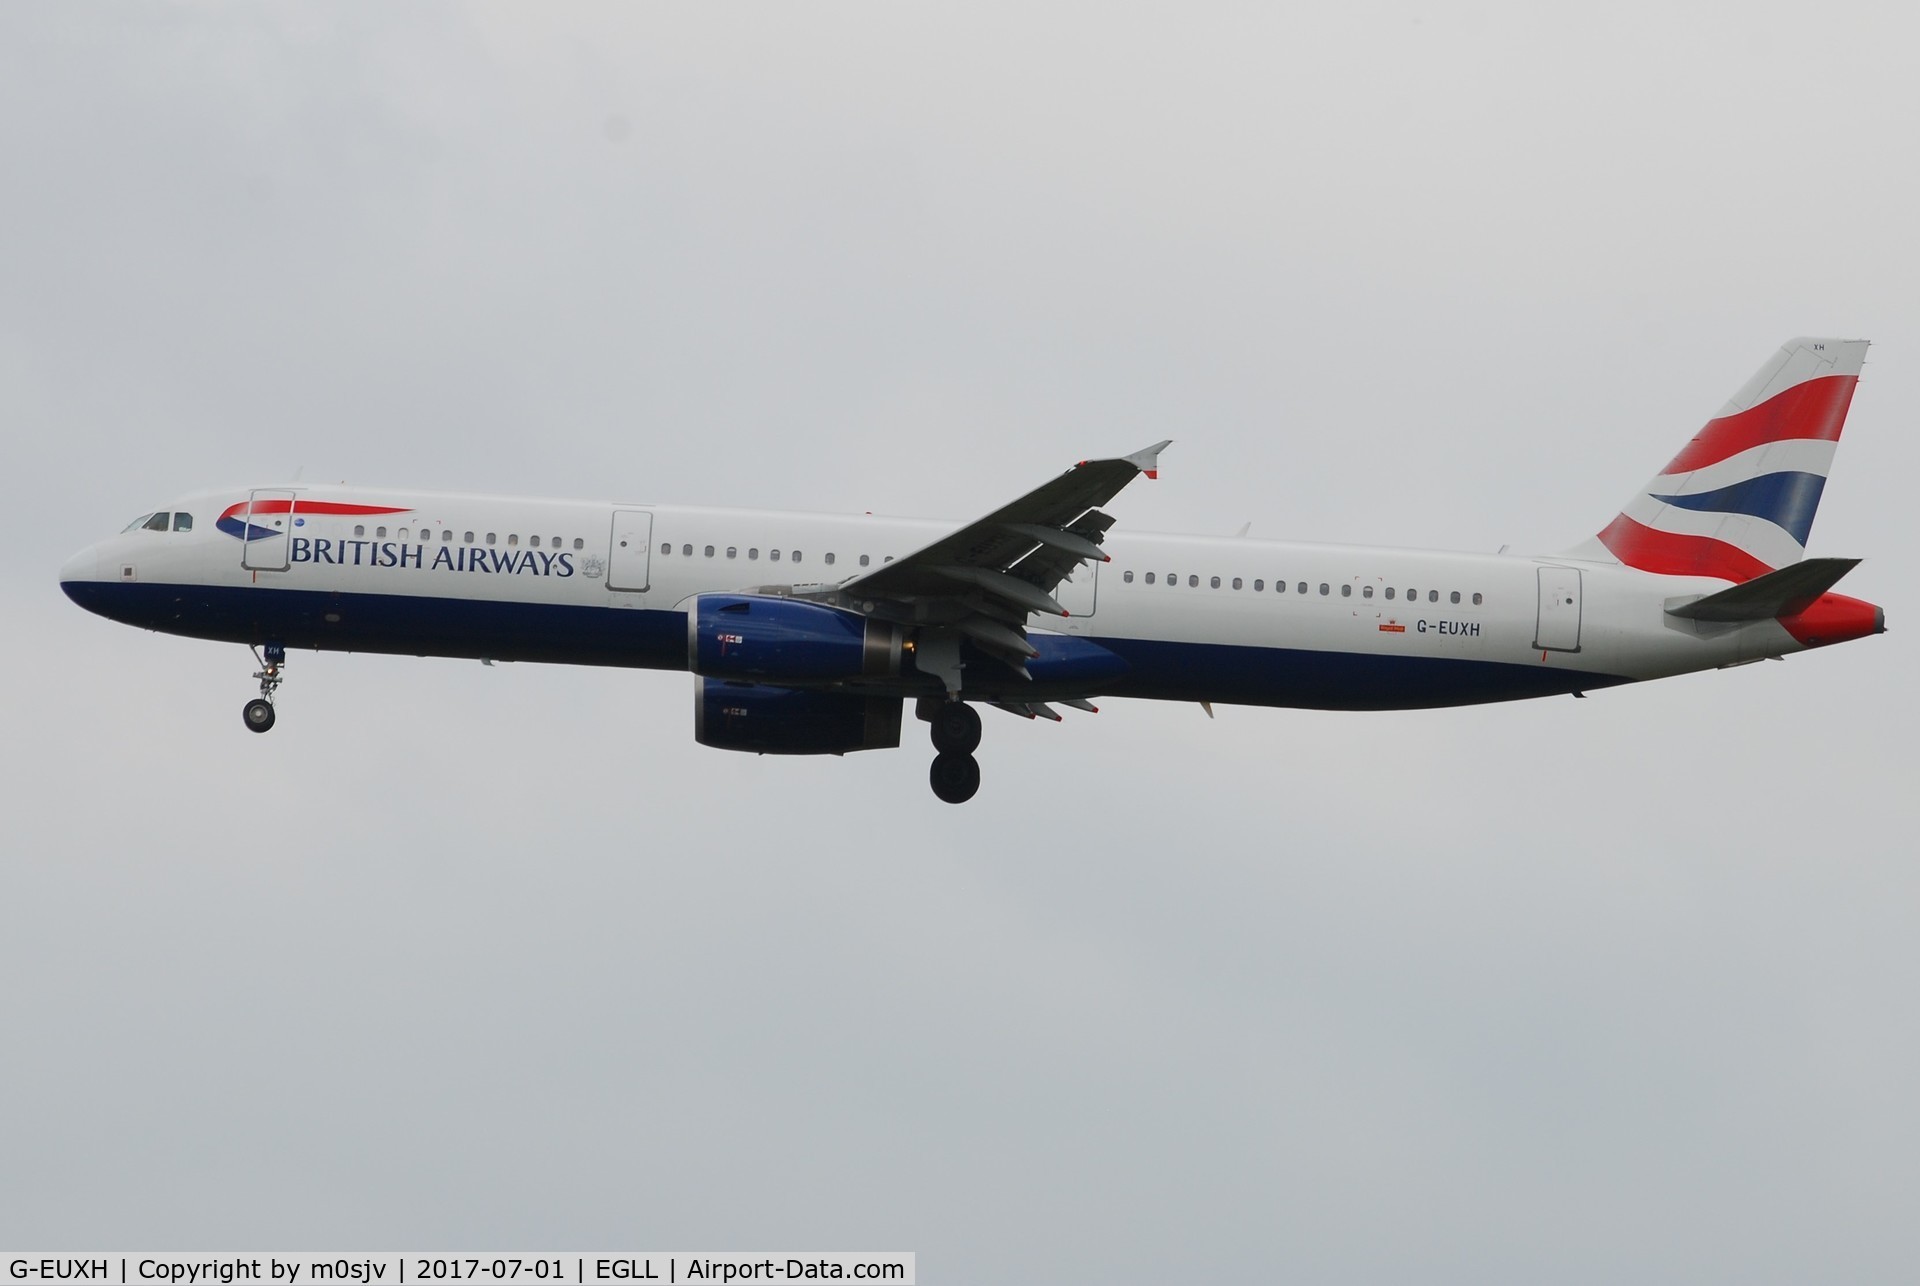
x: 1738, y: 501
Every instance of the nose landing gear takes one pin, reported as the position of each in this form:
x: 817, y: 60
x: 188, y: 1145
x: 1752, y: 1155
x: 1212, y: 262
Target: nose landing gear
x: 955, y: 775
x: 259, y: 712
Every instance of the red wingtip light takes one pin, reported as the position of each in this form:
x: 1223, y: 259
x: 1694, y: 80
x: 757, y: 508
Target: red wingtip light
x: 1153, y: 473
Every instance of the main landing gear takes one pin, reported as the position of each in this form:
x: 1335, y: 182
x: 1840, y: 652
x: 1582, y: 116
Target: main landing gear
x: 259, y: 712
x: 955, y: 775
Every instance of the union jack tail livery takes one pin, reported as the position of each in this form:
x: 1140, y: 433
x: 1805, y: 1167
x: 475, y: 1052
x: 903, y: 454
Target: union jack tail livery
x: 1738, y: 501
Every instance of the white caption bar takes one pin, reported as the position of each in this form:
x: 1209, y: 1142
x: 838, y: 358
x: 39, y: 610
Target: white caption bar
x: 441, y: 1268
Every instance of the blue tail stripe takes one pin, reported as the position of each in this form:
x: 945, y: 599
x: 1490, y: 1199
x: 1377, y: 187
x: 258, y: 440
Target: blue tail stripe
x: 1787, y: 500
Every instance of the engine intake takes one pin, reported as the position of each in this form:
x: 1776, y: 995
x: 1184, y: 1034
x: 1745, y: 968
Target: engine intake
x: 757, y: 636
x: 791, y: 721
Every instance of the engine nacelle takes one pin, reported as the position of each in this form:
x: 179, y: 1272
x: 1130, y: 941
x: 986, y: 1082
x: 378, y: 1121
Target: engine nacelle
x: 791, y: 721
x: 786, y: 640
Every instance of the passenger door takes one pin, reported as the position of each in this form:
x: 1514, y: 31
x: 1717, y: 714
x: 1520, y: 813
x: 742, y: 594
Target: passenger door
x: 266, y: 531
x: 1557, y: 626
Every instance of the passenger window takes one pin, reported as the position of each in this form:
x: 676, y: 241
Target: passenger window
x: 359, y: 529
x: 1456, y: 596
x: 403, y: 533
x: 1325, y: 589
x: 1366, y: 591
x: 1389, y: 591
x: 380, y: 533
x: 533, y: 542
x: 829, y: 560
x: 1127, y: 577
x: 581, y: 544
x: 1413, y: 596
x: 1433, y: 596
x: 1193, y: 582
x: 492, y: 539
x: 794, y: 556
x: 773, y: 555
x: 1214, y: 583
x: 733, y: 551
x: 1301, y: 588
x: 1172, y: 579
x: 1346, y: 591
x: 1236, y: 582
x: 709, y: 553
x: 1476, y: 600
x: 754, y: 553
x: 666, y: 546
x: 864, y: 560
x: 1259, y: 585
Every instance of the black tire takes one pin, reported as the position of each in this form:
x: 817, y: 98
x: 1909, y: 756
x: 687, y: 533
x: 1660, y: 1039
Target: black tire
x: 954, y: 778
x: 259, y: 715
x: 956, y: 729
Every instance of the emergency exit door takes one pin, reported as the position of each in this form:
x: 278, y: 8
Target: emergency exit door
x: 628, y: 562
x: 1076, y: 592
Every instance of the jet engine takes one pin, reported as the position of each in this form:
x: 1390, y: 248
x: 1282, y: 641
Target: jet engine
x: 785, y: 640
x: 791, y: 721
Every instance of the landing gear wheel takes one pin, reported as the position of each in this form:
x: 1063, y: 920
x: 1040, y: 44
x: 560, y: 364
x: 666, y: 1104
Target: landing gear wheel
x: 954, y: 778
x: 259, y: 712
x: 956, y: 728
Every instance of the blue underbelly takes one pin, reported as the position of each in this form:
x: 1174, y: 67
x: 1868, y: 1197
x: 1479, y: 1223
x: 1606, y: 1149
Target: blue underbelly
x: 657, y: 639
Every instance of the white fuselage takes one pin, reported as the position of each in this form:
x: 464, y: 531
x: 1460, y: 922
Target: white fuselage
x: 1195, y: 617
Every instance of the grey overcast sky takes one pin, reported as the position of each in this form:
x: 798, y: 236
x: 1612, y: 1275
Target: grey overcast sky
x: 1619, y: 989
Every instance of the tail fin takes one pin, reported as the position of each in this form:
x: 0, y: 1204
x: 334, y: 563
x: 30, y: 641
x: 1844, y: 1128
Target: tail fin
x: 1738, y: 501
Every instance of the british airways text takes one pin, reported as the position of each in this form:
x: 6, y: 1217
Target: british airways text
x: 452, y: 558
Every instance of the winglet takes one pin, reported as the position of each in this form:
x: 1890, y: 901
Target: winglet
x: 1148, y: 460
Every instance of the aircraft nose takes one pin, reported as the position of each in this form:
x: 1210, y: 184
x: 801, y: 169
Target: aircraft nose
x: 81, y: 568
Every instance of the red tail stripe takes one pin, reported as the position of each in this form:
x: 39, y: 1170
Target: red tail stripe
x: 1816, y: 409
x: 1669, y: 553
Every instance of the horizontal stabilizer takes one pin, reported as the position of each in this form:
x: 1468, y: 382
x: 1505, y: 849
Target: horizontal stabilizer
x: 1787, y: 592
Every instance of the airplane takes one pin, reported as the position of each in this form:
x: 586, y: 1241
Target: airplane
x: 807, y: 633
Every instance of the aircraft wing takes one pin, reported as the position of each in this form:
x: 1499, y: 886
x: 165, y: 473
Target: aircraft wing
x: 989, y: 575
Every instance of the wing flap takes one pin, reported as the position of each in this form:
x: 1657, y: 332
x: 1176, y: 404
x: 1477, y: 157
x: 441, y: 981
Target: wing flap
x: 1035, y: 542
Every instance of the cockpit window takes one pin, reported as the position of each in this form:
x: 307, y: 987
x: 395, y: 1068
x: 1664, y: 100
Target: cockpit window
x: 158, y: 522
x: 136, y: 524
x: 183, y: 522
